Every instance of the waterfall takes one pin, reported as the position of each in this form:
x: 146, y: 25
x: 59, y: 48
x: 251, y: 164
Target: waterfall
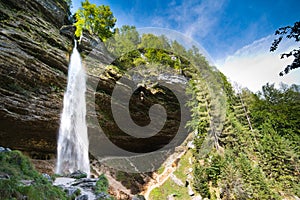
x: 72, y: 147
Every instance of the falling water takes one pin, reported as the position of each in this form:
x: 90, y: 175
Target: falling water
x: 72, y: 147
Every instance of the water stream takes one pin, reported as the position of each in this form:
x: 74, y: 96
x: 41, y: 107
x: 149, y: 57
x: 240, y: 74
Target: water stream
x: 72, y: 147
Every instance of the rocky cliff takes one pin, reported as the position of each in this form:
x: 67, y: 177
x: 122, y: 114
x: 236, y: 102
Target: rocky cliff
x: 36, y: 40
x: 33, y: 71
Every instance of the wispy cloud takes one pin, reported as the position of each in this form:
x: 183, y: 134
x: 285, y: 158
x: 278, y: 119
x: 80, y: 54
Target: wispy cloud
x: 197, y: 20
x: 158, y: 21
x: 194, y: 18
x: 253, y: 65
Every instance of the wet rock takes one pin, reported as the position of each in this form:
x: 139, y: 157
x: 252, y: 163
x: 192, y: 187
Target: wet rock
x: 82, y: 197
x: 71, y: 191
x: 63, y: 181
x: 2, y: 149
x: 94, y: 48
x: 34, y: 54
x: 48, y: 177
x: 68, y: 30
x: 84, y: 187
x: 77, y: 175
x: 85, y: 183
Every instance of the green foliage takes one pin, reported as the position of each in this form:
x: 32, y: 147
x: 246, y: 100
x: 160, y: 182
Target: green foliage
x: 18, y: 167
x: 280, y: 109
x: 133, y: 50
x: 154, y: 42
x: 258, y: 163
x: 124, y: 41
x: 98, y: 20
x: 280, y: 160
x: 199, y: 107
x: 170, y: 187
x: 131, y: 181
x: 102, y: 184
x: 206, y: 173
x: 200, y: 181
x: 257, y: 141
x: 161, y: 169
x: 178, y: 49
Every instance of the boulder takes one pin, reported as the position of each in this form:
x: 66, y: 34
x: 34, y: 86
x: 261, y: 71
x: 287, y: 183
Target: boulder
x: 82, y: 197
x: 78, y: 174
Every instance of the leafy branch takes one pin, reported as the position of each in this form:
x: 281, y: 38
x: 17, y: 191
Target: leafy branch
x: 290, y: 32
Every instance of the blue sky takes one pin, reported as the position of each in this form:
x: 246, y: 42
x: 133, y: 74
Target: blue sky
x: 222, y: 27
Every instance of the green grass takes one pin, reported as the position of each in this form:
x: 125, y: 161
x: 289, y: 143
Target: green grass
x: 169, y: 187
x: 161, y: 169
x: 184, y: 165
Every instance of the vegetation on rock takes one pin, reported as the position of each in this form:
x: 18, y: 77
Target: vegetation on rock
x: 98, y: 20
x: 254, y: 154
x: 20, y: 171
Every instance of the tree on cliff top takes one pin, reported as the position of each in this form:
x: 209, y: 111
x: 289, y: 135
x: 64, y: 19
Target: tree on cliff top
x: 98, y: 20
x: 290, y: 32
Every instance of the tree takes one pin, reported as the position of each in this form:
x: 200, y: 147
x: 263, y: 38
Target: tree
x: 125, y: 40
x: 290, y: 32
x: 280, y: 108
x: 151, y: 41
x: 177, y: 48
x: 97, y: 20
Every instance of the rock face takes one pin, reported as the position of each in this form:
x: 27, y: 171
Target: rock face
x: 33, y: 69
x: 36, y: 39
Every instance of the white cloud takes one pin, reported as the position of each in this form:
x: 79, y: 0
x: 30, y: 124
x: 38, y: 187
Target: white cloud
x: 158, y: 21
x: 253, y: 65
x: 194, y: 18
x: 203, y: 17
